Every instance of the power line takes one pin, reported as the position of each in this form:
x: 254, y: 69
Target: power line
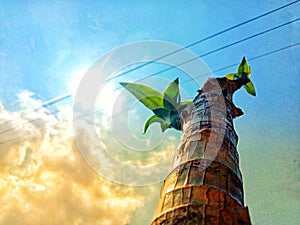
x: 219, y: 49
x: 62, y: 97
x: 57, y: 99
x: 27, y: 122
x: 13, y: 139
x: 65, y: 96
x: 226, y: 67
x: 204, y: 39
x: 249, y: 59
x: 46, y: 104
x: 221, y: 69
x: 188, y: 80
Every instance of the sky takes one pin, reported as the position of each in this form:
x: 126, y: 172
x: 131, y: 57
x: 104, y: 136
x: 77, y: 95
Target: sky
x: 47, y: 48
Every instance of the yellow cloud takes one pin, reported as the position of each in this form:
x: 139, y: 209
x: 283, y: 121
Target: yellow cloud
x: 45, y: 180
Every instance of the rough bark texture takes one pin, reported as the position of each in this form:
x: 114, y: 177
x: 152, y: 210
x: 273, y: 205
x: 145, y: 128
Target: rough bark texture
x: 205, y: 186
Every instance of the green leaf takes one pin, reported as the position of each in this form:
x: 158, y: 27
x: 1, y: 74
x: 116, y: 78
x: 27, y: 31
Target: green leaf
x: 172, y: 91
x: 153, y: 119
x: 244, y: 68
x: 164, y: 105
x: 149, y: 97
x: 162, y: 113
x: 169, y: 104
x: 250, y: 88
x: 231, y: 76
x: 164, y: 126
x: 249, y: 72
x: 175, y: 120
x: 171, y: 95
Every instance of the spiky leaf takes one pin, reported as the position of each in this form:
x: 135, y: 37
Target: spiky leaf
x: 162, y: 113
x: 172, y: 91
x: 250, y: 88
x: 175, y: 120
x: 149, y: 97
x: 231, y: 76
x: 164, y: 126
x: 169, y: 104
x: 153, y: 119
x: 171, y: 95
x: 244, y: 68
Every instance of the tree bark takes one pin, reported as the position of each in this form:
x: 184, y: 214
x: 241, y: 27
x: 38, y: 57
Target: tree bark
x: 205, y: 185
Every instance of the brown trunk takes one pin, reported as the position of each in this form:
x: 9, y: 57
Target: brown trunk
x: 205, y: 186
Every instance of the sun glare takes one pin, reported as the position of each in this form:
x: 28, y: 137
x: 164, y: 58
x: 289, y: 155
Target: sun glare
x: 107, y: 94
x: 76, y: 76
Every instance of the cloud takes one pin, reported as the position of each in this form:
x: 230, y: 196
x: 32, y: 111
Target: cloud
x: 44, y: 178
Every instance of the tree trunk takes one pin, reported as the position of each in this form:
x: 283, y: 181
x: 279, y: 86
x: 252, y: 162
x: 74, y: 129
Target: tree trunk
x: 205, y: 185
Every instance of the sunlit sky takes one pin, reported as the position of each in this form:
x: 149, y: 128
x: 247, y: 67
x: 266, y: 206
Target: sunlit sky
x: 47, y: 46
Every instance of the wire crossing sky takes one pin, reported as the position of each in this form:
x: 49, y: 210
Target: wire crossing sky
x: 209, y: 37
x: 47, y: 47
x: 185, y: 81
x: 223, y: 47
x: 63, y: 97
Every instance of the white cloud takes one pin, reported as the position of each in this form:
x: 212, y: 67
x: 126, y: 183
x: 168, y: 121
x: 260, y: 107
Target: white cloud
x: 45, y: 180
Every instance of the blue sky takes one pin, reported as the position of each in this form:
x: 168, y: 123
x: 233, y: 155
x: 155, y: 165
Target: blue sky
x: 44, y: 43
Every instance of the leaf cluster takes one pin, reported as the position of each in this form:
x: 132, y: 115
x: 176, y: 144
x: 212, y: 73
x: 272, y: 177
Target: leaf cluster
x: 165, y: 105
x: 244, y: 71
